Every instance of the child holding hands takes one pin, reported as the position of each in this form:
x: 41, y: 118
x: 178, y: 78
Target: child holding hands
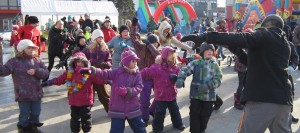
x: 206, y: 78
x: 164, y: 75
x: 124, y: 101
x: 80, y: 92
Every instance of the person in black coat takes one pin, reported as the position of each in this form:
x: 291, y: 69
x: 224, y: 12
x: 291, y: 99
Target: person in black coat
x: 87, y: 22
x: 268, y: 94
x: 56, y: 39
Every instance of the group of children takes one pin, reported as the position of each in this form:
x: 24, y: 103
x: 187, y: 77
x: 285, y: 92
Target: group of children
x: 89, y: 68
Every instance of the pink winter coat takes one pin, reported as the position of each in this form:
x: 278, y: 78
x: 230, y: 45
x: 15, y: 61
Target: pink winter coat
x: 84, y: 97
x: 164, y: 89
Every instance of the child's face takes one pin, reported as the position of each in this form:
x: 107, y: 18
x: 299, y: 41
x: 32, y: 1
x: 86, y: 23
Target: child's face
x: 30, y: 51
x: 208, y: 54
x: 125, y: 34
x: 132, y: 64
x: 99, y: 39
x: 79, y: 63
x: 171, y: 57
x: 82, y: 41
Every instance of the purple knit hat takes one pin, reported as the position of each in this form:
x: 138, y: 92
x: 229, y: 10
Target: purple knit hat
x: 165, y: 51
x: 127, y: 56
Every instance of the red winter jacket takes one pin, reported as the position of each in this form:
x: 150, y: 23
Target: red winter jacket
x: 31, y: 33
x: 108, y: 34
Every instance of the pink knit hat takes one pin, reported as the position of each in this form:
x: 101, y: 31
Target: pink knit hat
x: 127, y: 56
x: 165, y: 51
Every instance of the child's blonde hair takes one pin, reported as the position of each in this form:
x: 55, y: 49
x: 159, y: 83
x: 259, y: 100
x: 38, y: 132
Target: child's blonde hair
x: 94, y: 45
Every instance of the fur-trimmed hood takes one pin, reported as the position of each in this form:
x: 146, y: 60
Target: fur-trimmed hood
x: 79, y: 56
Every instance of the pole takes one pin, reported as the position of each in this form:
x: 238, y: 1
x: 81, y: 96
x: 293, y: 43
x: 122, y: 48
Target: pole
x: 1, y: 53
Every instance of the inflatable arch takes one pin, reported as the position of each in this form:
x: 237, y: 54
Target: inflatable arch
x: 183, y: 3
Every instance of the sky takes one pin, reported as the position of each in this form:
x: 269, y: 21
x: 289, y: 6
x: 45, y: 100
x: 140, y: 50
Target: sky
x: 221, y: 3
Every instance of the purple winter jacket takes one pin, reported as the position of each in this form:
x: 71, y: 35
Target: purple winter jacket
x: 164, y: 89
x: 26, y: 87
x: 123, y: 106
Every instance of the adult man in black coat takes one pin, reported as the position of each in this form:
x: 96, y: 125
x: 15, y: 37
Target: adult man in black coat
x: 267, y: 94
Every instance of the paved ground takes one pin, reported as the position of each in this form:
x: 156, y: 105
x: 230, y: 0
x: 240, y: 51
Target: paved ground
x: 56, y: 113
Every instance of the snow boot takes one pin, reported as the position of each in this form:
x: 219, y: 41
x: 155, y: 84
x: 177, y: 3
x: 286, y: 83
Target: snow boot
x: 218, y: 103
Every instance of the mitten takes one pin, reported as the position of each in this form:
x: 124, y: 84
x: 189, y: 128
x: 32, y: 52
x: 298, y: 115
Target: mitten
x: 85, y: 71
x: 123, y: 45
x: 180, y: 83
x: 122, y: 91
x: 173, y: 77
x: 198, y: 39
x: 290, y: 70
x: 47, y: 83
x: 236, y: 50
x: 135, y: 21
x: 60, y: 65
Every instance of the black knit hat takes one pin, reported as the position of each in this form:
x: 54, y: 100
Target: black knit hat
x: 152, y: 38
x: 205, y: 46
x: 32, y: 19
x: 122, y: 28
x: 273, y: 17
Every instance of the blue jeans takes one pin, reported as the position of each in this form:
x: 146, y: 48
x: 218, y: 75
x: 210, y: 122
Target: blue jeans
x: 29, y: 112
x: 220, y: 51
x: 160, y: 112
x: 136, y: 124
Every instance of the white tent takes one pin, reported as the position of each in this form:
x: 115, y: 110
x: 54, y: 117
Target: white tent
x: 45, y: 9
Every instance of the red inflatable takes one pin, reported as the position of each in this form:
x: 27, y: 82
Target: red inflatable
x: 183, y: 3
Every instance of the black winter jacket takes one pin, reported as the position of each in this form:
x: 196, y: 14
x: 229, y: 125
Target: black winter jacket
x: 268, y: 57
x: 55, y: 41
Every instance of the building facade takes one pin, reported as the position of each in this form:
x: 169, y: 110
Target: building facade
x: 9, y: 13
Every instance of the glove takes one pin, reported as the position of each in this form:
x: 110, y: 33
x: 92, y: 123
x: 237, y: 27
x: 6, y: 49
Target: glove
x: 121, y: 91
x: 135, y: 21
x: 290, y: 70
x: 60, y: 65
x: 198, y: 39
x: 173, y: 77
x: 85, y: 71
x: 47, y: 83
x: 236, y: 50
x: 180, y: 83
x: 123, y: 45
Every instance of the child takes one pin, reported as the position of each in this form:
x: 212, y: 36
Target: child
x: 27, y: 72
x: 99, y: 56
x: 124, y: 101
x: 146, y: 51
x: 118, y: 43
x: 164, y: 90
x: 80, y: 92
x: 206, y: 78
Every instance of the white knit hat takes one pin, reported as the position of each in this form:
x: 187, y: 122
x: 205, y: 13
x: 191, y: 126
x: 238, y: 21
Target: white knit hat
x: 23, y: 44
x: 97, y: 33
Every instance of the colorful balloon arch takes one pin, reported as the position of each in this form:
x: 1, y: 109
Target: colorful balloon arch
x: 183, y: 3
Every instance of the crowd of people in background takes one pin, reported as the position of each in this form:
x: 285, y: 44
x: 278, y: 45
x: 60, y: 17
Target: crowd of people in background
x: 96, y: 55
